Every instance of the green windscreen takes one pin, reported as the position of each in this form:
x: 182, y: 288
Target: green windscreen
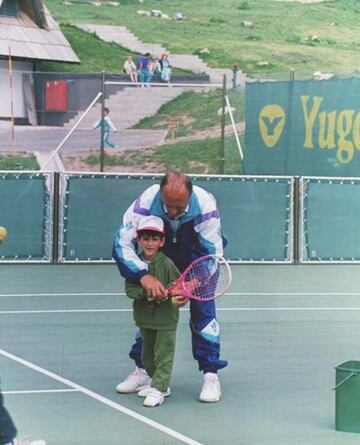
x: 256, y: 216
x: 331, y: 215
x: 255, y: 212
x: 25, y: 213
x: 94, y: 207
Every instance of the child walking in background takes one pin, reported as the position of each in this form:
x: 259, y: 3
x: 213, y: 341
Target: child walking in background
x: 107, y: 126
x: 157, y: 318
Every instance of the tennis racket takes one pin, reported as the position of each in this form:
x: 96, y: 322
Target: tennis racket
x: 206, y: 278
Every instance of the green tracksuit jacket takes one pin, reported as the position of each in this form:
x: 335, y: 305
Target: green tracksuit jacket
x: 152, y: 315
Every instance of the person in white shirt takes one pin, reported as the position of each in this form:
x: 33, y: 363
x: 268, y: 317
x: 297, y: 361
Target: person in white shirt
x: 130, y: 69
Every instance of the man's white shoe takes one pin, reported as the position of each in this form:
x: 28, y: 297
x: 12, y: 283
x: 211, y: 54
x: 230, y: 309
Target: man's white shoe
x: 146, y: 391
x: 154, y: 398
x: 134, y: 382
x: 211, y: 390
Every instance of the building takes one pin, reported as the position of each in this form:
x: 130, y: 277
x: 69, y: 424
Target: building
x: 28, y: 34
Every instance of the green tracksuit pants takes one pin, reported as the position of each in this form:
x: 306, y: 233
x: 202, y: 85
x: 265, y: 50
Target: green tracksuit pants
x: 158, y: 356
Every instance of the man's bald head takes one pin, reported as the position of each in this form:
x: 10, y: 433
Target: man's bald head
x: 175, y: 190
x: 175, y: 181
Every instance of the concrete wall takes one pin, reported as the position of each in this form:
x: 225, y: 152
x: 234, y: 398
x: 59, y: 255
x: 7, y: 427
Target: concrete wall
x: 17, y: 96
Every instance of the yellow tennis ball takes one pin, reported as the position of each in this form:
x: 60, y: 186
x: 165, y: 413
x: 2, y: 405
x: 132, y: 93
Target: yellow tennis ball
x: 178, y: 299
x: 3, y: 234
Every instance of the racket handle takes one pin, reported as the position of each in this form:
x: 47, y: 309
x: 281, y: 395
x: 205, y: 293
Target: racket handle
x: 171, y: 288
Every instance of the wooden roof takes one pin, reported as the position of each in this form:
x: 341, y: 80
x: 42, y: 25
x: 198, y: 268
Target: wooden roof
x: 34, y: 35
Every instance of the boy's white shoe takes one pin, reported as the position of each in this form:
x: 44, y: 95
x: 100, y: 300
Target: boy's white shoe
x: 154, y: 398
x: 211, y: 390
x: 134, y: 382
x: 146, y: 391
x: 27, y: 441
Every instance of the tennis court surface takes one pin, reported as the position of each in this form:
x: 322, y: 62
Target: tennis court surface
x: 66, y: 330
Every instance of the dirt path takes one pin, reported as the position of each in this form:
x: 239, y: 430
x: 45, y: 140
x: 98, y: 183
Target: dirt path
x: 303, y: 1
x: 213, y: 132
x: 78, y: 161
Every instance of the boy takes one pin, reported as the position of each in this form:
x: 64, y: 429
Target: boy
x: 157, y: 317
x: 108, y: 124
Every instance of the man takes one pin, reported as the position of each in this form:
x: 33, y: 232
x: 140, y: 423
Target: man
x: 192, y: 229
x: 7, y: 427
x: 145, y: 76
x: 8, y: 430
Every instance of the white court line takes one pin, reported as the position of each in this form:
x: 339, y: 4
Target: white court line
x: 104, y: 400
x: 223, y: 309
x: 289, y: 294
x: 67, y: 294
x: 288, y: 309
x: 117, y: 294
x: 64, y: 311
x: 40, y: 391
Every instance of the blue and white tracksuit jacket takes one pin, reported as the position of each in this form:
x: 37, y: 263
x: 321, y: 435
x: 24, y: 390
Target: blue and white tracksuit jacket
x: 196, y: 233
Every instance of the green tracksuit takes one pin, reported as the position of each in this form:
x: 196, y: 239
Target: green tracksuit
x: 157, y: 323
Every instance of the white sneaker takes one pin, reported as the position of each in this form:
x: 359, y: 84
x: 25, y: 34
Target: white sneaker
x: 211, y: 390
x: 27, y: 441
x: 154, y: 398
x: 134, y: 382
x: 146, y: 391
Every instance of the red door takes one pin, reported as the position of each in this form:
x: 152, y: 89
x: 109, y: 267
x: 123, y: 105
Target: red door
x: 56, y: 95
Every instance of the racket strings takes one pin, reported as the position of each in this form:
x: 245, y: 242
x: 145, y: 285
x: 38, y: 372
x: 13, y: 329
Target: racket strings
x: 206, y: 279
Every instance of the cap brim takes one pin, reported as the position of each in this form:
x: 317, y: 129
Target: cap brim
x: 152, y: 229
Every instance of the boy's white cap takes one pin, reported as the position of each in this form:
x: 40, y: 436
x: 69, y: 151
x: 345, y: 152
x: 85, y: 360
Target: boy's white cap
x: 153, y: 223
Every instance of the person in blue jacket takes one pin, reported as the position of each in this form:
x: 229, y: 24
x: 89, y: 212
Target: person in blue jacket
x: 192, y: 229
x: 8, y: 430
x: 7, y: 427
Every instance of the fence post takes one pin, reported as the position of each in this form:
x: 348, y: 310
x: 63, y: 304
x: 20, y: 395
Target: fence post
x: 292, y: 74
x: 56, y: 218
x: 102, y: 152
x: 222, y: 139
x: 296, y: 216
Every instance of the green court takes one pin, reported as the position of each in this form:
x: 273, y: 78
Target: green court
x: 66, y: 331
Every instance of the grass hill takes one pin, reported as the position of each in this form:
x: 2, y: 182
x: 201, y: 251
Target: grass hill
x: 284, y: 34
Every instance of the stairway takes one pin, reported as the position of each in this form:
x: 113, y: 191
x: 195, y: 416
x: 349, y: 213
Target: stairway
x: 129, y: 106
x: 123, y: 37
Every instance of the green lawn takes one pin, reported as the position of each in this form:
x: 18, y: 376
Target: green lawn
x: 203, y: 156
x: 193, y: 111
x: 306, y: 37
x: 95, y: 54
x: 18, y: 162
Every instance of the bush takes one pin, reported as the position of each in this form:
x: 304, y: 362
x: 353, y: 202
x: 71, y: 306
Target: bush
x: 244, y: 6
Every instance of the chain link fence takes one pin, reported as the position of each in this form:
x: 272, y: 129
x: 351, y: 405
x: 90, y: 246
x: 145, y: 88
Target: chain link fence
x: 101, y: 122
x: 37, y: 113
x: 47, y: 121
x: 306, y: 75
